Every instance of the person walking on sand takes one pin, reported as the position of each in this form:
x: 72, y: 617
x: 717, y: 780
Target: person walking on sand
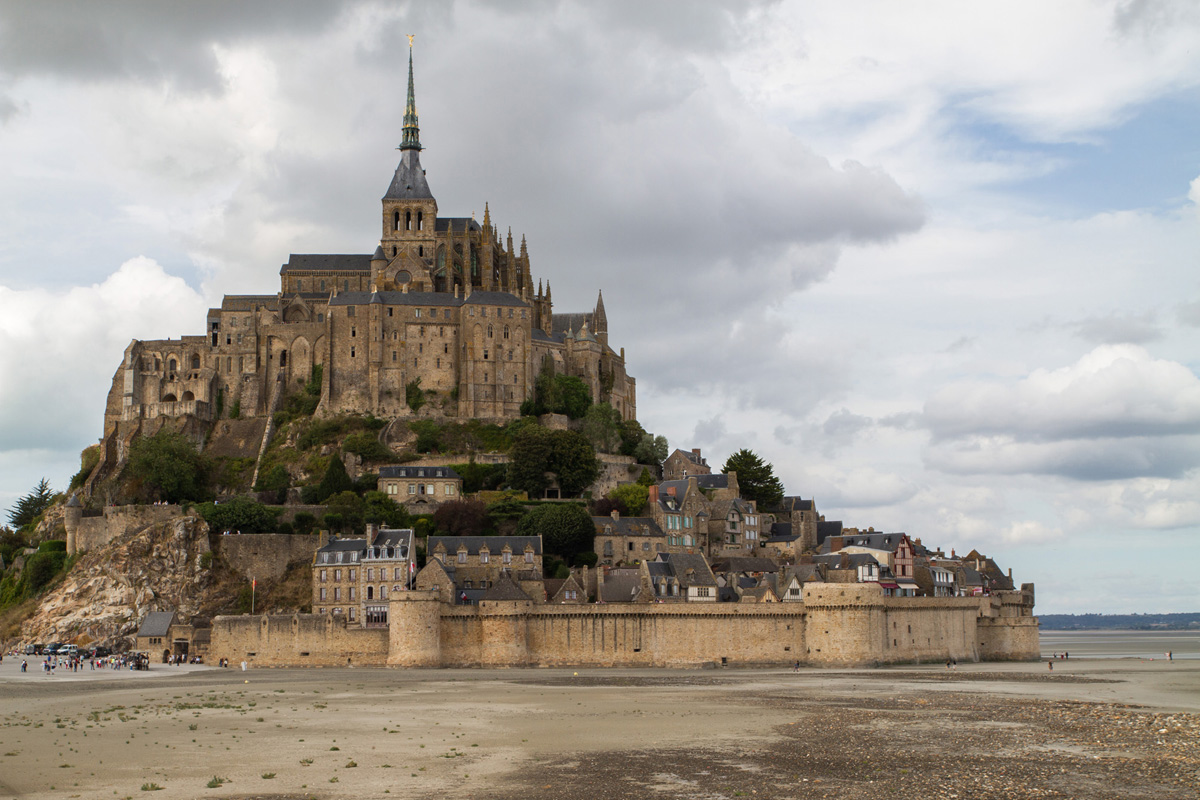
x: 797, y: 667
x: 1050, y: 664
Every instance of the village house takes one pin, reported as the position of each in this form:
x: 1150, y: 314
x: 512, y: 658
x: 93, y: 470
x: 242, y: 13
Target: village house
x: 355, y: 577
x: 683, y: 464
x: 419, y: 488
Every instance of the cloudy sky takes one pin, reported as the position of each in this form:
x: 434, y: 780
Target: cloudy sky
x: 936, y: 261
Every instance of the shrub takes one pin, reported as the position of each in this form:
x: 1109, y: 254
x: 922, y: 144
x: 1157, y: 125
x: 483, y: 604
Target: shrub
x: 88, y: 460
x: 413, y: 395
x: 169, y: 465
x: 240, y: 514
x: 366, y: 444
x: 304, y: 522
x: 428, y: 435
x: 633, y: 496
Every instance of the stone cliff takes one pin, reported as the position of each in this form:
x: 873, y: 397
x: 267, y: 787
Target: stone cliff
x: 109, y: 591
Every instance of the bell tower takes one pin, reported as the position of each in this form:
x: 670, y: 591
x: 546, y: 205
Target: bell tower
x: 409, y: 209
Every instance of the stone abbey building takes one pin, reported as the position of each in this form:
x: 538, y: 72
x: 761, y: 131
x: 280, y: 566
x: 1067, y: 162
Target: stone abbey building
x: 448, y: 301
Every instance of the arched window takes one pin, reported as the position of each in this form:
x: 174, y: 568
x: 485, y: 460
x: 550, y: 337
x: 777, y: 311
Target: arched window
x: 168, y: 398
x: 188, y: 397
x: 195, y: 362
x: 408, y: 220
x: 420, y: 221
x: 505, y: 331
x: 171, y: 365
x: 489, y: 331
x: 396, y: 223
x: 370, y: 592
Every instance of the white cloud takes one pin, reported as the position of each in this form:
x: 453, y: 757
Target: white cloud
x: 1030, y: 532
x: 1115, y: 391
x: 58, y: 347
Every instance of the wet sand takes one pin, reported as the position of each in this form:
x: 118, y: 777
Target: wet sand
x: 1102, y: 728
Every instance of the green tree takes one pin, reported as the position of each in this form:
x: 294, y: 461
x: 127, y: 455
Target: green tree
x: 462, y: 518
x: 576, y: 396
x: 651, y: 450
x: 566, y: 528
x: 277, y: 479
x: 380, y: 509
x: 633, y: 496
x: 168, y: 465
x: 31, y: 506
x: 646, y: 478
x: 350, y: 507
x: 304, y: 522
x: 334, y: 481
x: 566, y: 454
x: 602, y: 427
x: 756, y: 479
x: 240, y: 514
x: 631, y: 436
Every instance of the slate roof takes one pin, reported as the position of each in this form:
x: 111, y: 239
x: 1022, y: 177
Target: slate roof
x: 248, y: 302
x: 396, y: 299
x: 411, y: 471
x: 156, y: 623
x: 851, y: 560
x: 494, y: 299
x: 457, y: 224
x: 495, y: 544
x: 875, y: 541
x: 326, y: 262
x: 408, y: 182
x: 395, y: 538
x: 744, y: 564
x: 782, y: 532
x: 680, y: 563
x: 621, y: 588
x: 690, y: 456
x: 572, y: 321
x: 718, y: 481
x: 791, y: 504
x: 827, y: 529
x: 627, y: 526
x: 539, y: 335
x: 505, y: 589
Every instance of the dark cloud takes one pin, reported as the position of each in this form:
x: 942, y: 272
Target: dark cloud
x: 139, y: 40
x: 1106, y: 459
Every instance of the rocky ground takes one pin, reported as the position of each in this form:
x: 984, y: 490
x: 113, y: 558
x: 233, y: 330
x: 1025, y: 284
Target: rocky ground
x: 109, y: 591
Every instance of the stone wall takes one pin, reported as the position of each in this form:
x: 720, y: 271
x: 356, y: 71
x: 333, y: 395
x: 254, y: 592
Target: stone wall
x: 297, y: 640
x: 265, y: 555
x: 95, y: 532
x: 845, y: 624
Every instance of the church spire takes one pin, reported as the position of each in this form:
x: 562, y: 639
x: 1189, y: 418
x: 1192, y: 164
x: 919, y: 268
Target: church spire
x: 412, y: 134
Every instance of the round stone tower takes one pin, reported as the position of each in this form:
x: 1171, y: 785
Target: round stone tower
x: 74, y: 513
x: 415, y: 629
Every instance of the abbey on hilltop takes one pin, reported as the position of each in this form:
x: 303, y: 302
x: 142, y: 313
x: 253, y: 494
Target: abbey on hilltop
x: 444, y: 304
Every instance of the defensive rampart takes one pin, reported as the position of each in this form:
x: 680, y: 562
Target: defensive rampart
x: 265, y: 555
x: 93, y: 532
x: 297, y: 640
x: 840, y: 624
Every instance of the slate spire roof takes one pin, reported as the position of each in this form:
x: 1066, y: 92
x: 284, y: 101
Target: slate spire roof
x: 409, y: 181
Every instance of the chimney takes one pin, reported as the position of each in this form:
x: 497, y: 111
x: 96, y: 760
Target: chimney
x: 615, y: 514
x: 952, y: 555
x: 835, y: 543
x: 671, y: 491
x: 372, y: 531
x: 918, y: 542
x: 1010, y: 573
x: 696, y: 452
x: 653, y: 498
x: 322, y: 539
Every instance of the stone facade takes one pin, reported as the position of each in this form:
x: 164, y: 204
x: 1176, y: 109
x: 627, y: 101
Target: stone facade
x: 834, y: 625
x: 446, y: 302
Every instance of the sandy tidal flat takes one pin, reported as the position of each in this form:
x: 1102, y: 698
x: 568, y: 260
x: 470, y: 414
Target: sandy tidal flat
x: 1103, y: 728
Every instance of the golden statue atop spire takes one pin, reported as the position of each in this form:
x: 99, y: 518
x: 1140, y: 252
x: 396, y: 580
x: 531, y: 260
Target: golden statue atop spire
x: 410, y: 38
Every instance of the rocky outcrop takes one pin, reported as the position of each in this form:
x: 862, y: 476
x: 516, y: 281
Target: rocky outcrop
x: 107, y: 594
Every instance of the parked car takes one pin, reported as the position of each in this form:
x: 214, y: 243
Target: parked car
x: 100, y: 652
x: 51, y: 649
